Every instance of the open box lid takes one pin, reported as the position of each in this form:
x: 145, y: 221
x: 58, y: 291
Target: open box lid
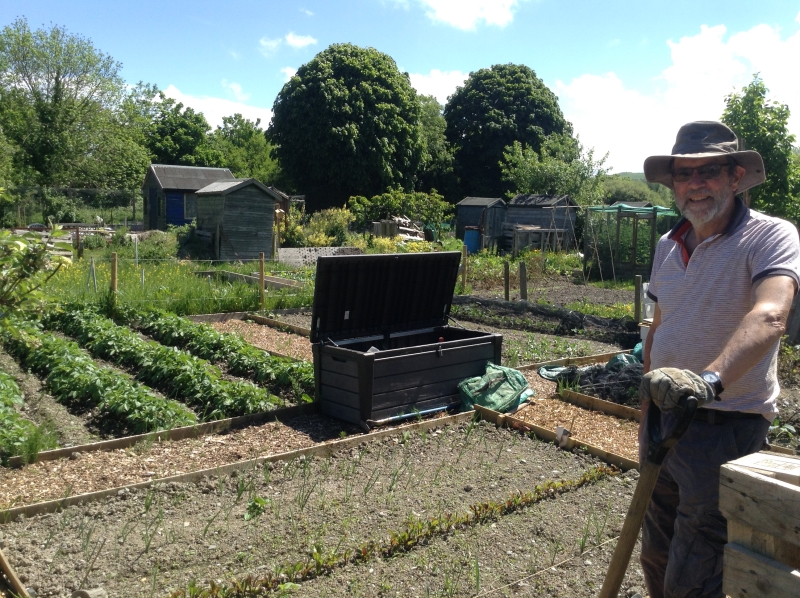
x: 367, y: 295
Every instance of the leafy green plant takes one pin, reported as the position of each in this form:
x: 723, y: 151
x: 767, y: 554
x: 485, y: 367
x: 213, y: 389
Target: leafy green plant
x: 19, y: 436
x: 256, y: 507
x: 781, y: 431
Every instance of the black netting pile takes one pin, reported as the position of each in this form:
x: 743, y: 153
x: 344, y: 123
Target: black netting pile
x: 620, y: 386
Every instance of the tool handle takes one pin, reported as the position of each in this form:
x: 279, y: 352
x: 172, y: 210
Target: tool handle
x: 658, y: 445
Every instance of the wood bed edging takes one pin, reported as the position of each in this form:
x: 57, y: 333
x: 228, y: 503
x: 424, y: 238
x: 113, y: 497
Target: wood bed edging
x: 566, y: 361
x: 278, y: 324
x: 595, y: 404
x: 324, y: 449
x: 510, y: 421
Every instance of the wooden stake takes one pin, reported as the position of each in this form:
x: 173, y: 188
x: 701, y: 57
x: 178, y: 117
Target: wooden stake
x: 16, y: 585
x: 464, y: 269
x: 114, y: 275
x: 506, y: 278
x: 94, y: 276
x: 78, y: 242
x: 637, y: 301
x: 261, y: 298
x: 523, y: 281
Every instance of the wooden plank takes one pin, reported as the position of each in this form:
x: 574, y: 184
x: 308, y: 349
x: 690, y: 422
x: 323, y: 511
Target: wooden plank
x: 339, y: 365
x: 338, y: 395
x: 746, y: 574
x: 763, y: 543
x: 278, y: 324
x: 415, y: 394
x: 780, y: 467
x: 323, y: 450
x: 601, y: 405
x: 763, y: 503
x: 348, y: 383
x: 428, y: 360
x: 501, y: 419
x: 566, y: 361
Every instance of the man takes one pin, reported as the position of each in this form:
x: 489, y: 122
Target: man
x: 723, y: 281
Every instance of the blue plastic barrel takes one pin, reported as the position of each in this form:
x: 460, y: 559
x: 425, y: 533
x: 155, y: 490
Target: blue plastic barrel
x: 472, y: 239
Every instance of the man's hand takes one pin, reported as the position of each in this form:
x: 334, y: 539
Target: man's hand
x: 666, y: 386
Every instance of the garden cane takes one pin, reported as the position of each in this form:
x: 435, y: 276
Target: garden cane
x: 657, y: 449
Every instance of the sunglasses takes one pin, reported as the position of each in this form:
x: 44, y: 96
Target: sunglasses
x: 706, y: 172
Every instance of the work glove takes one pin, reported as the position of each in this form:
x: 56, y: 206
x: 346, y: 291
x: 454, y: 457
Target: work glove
x: 667, y: 386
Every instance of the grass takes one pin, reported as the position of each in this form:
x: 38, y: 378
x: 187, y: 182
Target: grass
x: 617, y: 310
x: 485, y: 270
x: 534, y: 349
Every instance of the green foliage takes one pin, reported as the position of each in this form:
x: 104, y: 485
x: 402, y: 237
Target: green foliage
x: 763, y: 124
x: 18, y: 436
x: 25, y: 265
x: 494, y: 108
x: 430, y: 209
x: 72, y: 377
x: 277, y: 373
x: 178, y: 136
x: 436, y: 169
x: 561, y: 167
x: 58, y: 208
x: 347, y: 124
x: 623, y: 189
x: 245, y: 149
x: 327, y: 228
x: 174, y: 372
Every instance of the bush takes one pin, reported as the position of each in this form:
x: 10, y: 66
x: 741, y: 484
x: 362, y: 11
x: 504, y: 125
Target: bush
x: 153, y: 245
x: 430, y: 209
x: 120, y: 237
x: 328, y: 228
x: 93, y: 241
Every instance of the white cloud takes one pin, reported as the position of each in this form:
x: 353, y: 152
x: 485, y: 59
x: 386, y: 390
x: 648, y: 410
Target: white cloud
x: 269, y: 46
x: 439, y: 84
x: 288, y: 72
x: 631, y: 125
x: 467, y: 14
x: 234, y: 54
x: 215, y: 108
x: 306, y: 12
x: 299, y: 41
x: 236, y: 90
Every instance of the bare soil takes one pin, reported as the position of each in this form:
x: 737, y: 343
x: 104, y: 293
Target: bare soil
x: 145, y: 543
x: 561, y: 291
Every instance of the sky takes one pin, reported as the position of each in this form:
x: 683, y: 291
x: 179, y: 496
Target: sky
x: 627, y: 74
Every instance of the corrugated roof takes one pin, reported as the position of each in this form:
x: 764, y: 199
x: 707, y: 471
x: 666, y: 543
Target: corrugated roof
x: 224, y: 187
x: 633, y: 204
x: 189, y: 178
x: 541, y: 201
x: 479, y: 201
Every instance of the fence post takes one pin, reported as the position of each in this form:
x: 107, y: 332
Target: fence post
x: 136, y: 250
x: 142, y: 277
x: 637, y: 302
x: 114, y: 278
x: 78, y: 242
x: 261, y: 299
x: 94, y: 276
x: 506, y: 278
x: 523, y: 281
x: 464, y: 270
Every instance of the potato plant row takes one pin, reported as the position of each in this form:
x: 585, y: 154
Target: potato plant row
x: 72, y: 377
x: 242, y: 359
x: 176, y: 373
x: 14, y: 429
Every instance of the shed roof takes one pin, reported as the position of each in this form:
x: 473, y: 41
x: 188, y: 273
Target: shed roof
x: 224, y: 187
x: 633, y: 204
x: 480, y: 201
x: 186, y: 177
x: 535, y: 200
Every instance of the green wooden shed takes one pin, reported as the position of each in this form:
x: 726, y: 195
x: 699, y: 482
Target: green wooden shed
x: 237, y: 216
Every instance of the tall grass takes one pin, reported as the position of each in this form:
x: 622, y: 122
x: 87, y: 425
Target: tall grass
x: 169, y: 285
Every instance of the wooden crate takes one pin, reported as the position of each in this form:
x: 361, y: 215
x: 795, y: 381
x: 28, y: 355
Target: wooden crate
x: 760, y: 497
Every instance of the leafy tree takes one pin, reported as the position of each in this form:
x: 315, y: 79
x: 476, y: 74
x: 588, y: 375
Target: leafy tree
x: 54, y: 86
x: 178, y: 136
x: 245, y: 150
x: 562, y: 167
x: 619, y: 188
x: 347, y: 124
x: 436, y: 169
x: 430, y: 209
x: 496, y: 107
x: 763, y: 125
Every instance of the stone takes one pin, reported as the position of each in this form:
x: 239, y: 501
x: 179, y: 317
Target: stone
x: 75, y: 456
x: 94, y: 593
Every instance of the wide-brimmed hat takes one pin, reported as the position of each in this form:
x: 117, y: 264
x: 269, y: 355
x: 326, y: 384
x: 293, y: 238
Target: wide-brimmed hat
x: 706, y: 139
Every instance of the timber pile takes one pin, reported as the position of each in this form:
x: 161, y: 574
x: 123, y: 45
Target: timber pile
x: 760, y: 497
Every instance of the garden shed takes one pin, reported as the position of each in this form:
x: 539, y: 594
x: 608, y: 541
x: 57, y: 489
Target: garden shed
x: 169, y: 193
x: 236, y: 216
x: 540, y: 221
x: 486, y: 213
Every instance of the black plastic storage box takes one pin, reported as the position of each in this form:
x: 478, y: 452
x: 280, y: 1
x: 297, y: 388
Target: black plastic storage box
x: 382, y: 347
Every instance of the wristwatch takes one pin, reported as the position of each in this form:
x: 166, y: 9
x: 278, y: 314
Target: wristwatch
x: 712, y: 378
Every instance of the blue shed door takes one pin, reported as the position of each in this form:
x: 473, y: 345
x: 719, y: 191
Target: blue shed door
x: 175, y: 209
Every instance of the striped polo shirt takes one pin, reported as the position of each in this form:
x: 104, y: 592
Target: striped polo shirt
x: 703, y: 299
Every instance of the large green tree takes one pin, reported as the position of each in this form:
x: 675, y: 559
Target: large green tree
x: 494, y: 108
x: 178, y: 135
x: 561, y: 167
x: 348, y: 123
x: 55, y: 88
x: 245, y: 150
x: 763, y: 125
x: 436, y: 170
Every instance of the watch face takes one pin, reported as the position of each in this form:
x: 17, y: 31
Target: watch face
x: 713, y: 380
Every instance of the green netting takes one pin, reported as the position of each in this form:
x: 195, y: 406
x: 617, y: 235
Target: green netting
x: 500, y: 389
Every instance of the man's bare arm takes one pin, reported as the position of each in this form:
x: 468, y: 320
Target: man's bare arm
x: 764, y: 324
